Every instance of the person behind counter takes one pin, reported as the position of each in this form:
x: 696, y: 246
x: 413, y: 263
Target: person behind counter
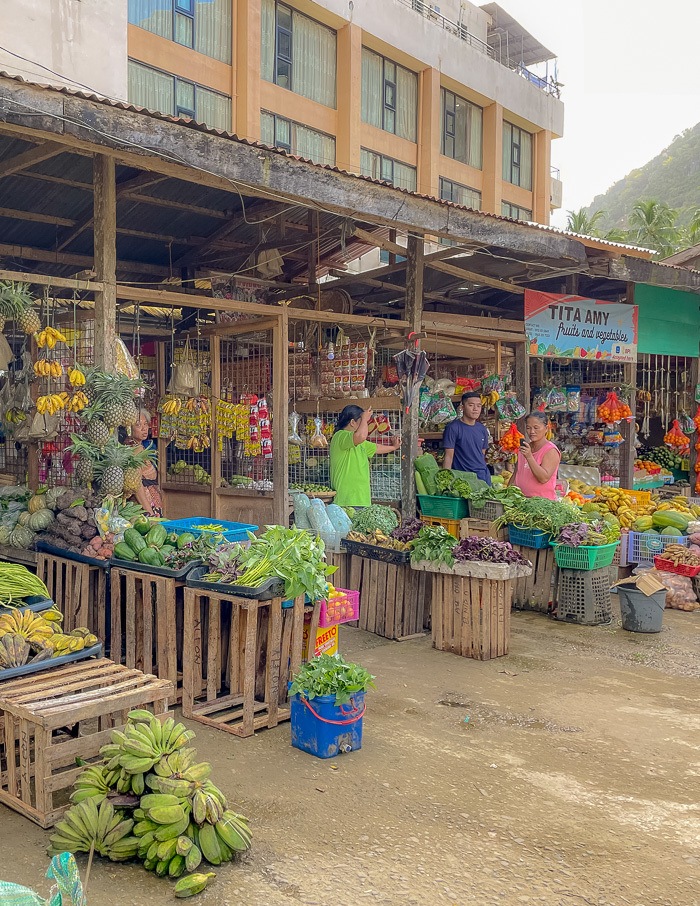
x: 466, y: 440
x: 350, y: 454
x: 538, y: 461
x: 148, y: 495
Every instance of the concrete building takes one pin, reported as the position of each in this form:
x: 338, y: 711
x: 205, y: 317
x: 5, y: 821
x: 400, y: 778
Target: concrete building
x: 76, y: 43
x: 442, y: 100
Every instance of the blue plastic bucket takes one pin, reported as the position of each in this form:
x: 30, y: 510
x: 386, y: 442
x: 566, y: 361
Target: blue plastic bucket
x: 324, y: 729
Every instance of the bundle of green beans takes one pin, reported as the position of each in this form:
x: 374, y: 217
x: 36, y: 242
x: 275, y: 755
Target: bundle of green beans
x: 17, y: 583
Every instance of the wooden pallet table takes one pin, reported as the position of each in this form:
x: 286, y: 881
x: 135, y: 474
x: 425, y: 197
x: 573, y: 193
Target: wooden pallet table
x: 53, y: 718
x: 80, y: 591
x: 393, y: 598
x: 240, y: 655
x: 536, y: 591
x: 147, y: 623
x: 471, y: 616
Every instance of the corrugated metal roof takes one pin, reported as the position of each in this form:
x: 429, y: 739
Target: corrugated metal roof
x: 192, y: 190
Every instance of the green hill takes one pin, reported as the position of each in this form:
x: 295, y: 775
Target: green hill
x: 672, y: 177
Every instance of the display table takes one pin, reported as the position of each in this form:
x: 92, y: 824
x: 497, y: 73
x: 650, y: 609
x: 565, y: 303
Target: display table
x: 38, y: 713
x: 393, y: 598
x: 470, y: 607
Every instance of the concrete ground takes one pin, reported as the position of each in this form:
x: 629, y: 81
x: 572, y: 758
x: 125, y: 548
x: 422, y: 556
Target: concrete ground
x: 567, y: 773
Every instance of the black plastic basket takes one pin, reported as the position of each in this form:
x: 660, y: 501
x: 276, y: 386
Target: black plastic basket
x: 139, y: 567
x: 375, y: 552
x: 56, y: 551
x: 40, y: 666
x: 35, y: 603
x: 273, y: 588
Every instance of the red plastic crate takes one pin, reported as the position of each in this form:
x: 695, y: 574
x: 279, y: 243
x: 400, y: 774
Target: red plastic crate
x: 337, y: 611
x: 680, y: 569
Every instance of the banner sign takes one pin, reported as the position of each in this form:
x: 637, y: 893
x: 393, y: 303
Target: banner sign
x: 572, y: 327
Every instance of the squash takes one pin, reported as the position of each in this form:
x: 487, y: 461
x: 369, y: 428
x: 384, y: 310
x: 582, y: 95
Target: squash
x: 135, y: 540
x: 156, y: 537
x: 642, y: 524
x: 21, y: 537
x: 123, y: 552
x: 37, y: 502
x: 151, y: 557
x: 671, y: 531
x: 24, y: 517
x: 40, y: 520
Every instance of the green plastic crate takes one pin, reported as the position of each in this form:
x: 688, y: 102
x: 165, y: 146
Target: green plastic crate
x: 444, y: 507
x: 587, y: 556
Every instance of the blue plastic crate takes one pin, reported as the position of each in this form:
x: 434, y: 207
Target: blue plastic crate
x: 526, y: 537
x: 324, y: 729
x: 232, y: 531
x: 644, y: 546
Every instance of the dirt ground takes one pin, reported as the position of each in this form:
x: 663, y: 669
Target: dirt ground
x: 567, y: 773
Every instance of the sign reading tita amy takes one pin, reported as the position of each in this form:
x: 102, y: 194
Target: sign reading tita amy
x: 572, y: 327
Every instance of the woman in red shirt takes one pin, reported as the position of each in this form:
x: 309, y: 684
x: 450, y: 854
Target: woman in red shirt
x: 538, y: 461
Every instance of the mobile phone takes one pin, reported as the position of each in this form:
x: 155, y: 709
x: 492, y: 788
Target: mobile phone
x: 523, y: 443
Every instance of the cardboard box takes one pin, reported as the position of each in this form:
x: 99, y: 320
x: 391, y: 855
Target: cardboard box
x: 646, y: 582
x: 326, y: 640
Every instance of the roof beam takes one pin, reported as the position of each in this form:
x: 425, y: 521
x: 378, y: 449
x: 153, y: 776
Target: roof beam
x: 35, y: 218
x: 473, y: 277
x: 82, y: 261
x: 46, y: 280
x: 29, y: 158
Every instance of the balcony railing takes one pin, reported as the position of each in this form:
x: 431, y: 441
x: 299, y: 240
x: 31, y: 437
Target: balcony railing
x: 428, y: 11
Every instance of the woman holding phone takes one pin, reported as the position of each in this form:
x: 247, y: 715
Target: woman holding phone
x: 538, y: 460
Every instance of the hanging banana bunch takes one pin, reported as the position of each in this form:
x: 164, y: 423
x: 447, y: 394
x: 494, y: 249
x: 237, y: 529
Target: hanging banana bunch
x: 48, y: 337
x: 51, y: 403
x: 45, y: 368
x: 76, y: 376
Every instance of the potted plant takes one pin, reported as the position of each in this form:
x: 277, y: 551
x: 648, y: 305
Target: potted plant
x: 327, y: 705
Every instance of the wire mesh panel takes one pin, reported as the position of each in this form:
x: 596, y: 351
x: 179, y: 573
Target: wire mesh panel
x: 244, y: 411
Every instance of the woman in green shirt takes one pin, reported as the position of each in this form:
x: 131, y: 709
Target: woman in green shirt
x: 350, y: 455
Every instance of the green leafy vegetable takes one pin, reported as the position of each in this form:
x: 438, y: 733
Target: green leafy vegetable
x: 329, y: 674
x: 374, y: 518
x: 452, y: 483
x: 538, y: 513
x: 435, y: 545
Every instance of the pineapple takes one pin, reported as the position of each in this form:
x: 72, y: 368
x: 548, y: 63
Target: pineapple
x: 112, y: 482
x: 16, y: 302
x: 29, y: 321
x: 132, y: 480
x: 97, y: 432
x: 115, y: 459
x: 130, y: 414
x: 111, y: 412
x: 85, y: 471
x: 86, y: 454
x: 3, y: 319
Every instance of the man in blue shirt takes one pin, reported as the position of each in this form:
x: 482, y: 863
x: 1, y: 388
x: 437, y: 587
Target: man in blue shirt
x: 466, y: 440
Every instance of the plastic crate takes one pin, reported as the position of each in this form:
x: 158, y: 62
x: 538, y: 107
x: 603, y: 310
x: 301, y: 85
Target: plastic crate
x: 444, y: 507
x: 584, y: 596
x: 331, y: 609
x: 620, y: 557
x: 525, y: 537
x: 272, y: 588
x: 374, y: 552
x: 231, y: 531
x: 489, y: 510
x: 644, y: 546
x: 450, y: 525
x: 680, y: 569
x: 586, y: 556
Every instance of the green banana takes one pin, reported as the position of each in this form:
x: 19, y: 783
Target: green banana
x: 138, y: 784
x: 199, y: 807
x: 176, y: 866
x: 154, y: 800
x: 162, y: 868
x: 140, y: 715
x: 152, y: 854
x: 209, y: 844
x: 167, y: 814
x: 174, y: 830
x: 192, y: 884
x: 183, y: 845
x: 198, y: 772
x: 167, y: 849
x: 232, y: 835
x: 181, y: 789
x: 193, y: 859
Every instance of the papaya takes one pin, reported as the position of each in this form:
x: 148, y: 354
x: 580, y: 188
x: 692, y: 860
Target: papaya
x: 665, y: 518
x: 183, y: 539
x: 143, y: 525
x: 671, y: 531
x: 156, y: 537
x: 124, y: 552
x: 151, y: 557
x: 642, y: 524
x: 135, y: 540
x: 167, y: 549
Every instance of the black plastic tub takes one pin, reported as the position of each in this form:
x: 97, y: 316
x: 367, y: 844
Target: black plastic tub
x: 70, y: 658
x: 139, y: 567
x: 47, y: 548
x: 273, y: 588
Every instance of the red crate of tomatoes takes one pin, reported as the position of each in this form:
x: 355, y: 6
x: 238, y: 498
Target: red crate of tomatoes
x: 341, y: 606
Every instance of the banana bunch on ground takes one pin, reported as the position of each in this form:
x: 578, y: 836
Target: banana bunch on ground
x: 87, y: 824
x: 49, y: 336
x: 177, y: 817
x: 76, y: 376
x: 78, y: 402
x: 51, y: 403
x: 489, y: 400
x: 171, y: 406
x: 44, y: 368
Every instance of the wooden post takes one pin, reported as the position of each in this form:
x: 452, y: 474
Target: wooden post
x: 280, y: 413
x: 629, y: 431
x: 414, y: 315
x: 693, y: 475
x: 105, y: 257
x: 522, y: 374
x: 215, y: 359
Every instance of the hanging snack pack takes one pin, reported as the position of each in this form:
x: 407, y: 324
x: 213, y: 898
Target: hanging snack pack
x: 556, y: 400
x: 318, y: 441
x: 185, y: 375
x: 294, y: 436
x: 573, y: 400
x: 509, y: 407
x: 343, y: 371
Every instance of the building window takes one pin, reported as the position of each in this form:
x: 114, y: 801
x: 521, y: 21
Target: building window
x: 297, y: 139
x: 517, y: 156
x: 204, y: 25
x: 298, y: 53
x: 453, y: 191
x: 387, y: 169
x: 389, y: 95
x: 515, y: 212
x: 461, y: 129
x: 164, y: 93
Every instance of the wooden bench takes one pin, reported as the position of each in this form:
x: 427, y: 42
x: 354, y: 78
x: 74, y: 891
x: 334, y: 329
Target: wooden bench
x: 44, y: 717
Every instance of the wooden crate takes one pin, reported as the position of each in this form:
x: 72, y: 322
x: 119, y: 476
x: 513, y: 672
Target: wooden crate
x: 392, y: 597
x: 481, y: 528
x: 536, y: 591
x: 80, y: 591
x: 43, y: 716
x: 341, y: 576
x: 240, y: 655
x: 471, y: 617
x: 147, y: 623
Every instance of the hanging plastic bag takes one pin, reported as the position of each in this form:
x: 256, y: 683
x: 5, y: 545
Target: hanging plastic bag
x: 185, y: 375
x: 319, y: 441
x: 109, y: 522
x: 294, y: 437
x: 124, y: 361
x: 6, y: 354
x: 42, y: 427
x: 556, y: 400
x: 67, y: 889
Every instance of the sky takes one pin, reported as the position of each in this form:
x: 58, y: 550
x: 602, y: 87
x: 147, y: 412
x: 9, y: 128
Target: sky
x: 630, y: 81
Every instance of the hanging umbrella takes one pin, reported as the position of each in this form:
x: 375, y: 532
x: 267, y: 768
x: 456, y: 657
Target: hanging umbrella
x: 412, y: 366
